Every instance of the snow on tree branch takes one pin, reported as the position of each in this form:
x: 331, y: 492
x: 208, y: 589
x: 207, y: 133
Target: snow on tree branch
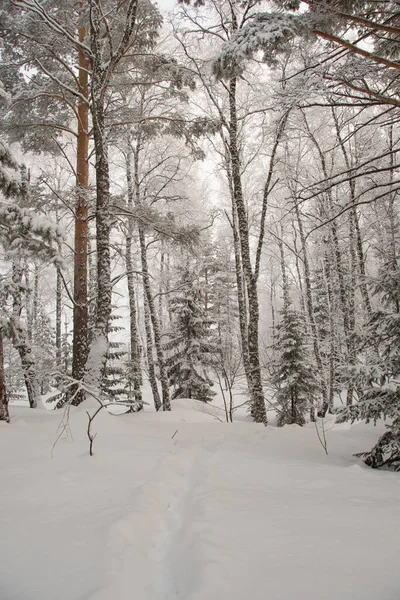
x: 22, y: 231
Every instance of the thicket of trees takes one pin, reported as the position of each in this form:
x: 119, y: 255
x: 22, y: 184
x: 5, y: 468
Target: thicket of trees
x: 226, y: 177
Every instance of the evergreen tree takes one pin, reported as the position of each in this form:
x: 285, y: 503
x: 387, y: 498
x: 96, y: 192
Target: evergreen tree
x: 116, y: 381
x: 23, y: 233
x: 113, y: 381
x: 292, y: 376
x: 379, y: 377
x: 44, y: 349
x: 190, y: 348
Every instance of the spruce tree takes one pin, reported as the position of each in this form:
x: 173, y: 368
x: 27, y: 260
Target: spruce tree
x: 292, y: 376
x: 44, y: 349
x: 189, y: 347
x: 379, y: 376
x: 112, y: 382
x: 116, y: 377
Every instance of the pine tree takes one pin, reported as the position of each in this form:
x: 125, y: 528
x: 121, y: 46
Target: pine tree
x: 379, y: 377
x: 189, y: 347
x: 292, y: 376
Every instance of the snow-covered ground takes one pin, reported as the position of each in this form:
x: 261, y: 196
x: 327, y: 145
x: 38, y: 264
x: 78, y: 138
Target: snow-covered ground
x: 181, y: 505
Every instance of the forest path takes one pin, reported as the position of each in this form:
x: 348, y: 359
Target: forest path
x: 228, y: 516
x: 147, y: 540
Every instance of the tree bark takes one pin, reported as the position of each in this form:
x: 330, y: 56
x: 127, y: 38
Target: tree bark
x: 4, y: 414
x: 285, y: 282
x: 103, y: 68
x: 166, y: 402
x: 20, y: 339
x: 59, y: 322
x: 240, y: 289
x: 332, y: 343
x: 345, y: 295
x: 80, y: 310
x: 99, y: 343
x: 256, y: 391
x: 150, y: 358
x: 134, y: 336
x: 310, y: 312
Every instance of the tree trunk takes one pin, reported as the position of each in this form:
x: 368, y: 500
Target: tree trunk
x: 80, y: 310
x: 97, y: 358
x: 161, y: 287
x: 344, y: 297
x: 134, y: 336
x: 149, y: 295
x: 256, y: 390
x: 298, y: 270
x: 285, y: 283
x: 150, y: 358
x: 28, y: 303
x: 240, y: 284
x: 4, y: 414
x: 166, y: 403
x: 59, y: 322
x: 99, y: 344
x: 354, y: 216
x: 393, y: 221
x: 332, y: 343
x: 103, y: 67
x: 20, y: 340
x: 35, y: 306
x: 310, y: 312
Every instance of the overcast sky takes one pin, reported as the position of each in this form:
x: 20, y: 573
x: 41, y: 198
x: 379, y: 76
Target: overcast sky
x: 166, y: 5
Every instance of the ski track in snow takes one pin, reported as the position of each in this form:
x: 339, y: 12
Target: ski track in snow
x: 145, y: 541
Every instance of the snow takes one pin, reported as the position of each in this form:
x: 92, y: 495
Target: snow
x: 181, y: 505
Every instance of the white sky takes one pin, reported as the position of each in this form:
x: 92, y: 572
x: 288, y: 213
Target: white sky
x: 166, y: 5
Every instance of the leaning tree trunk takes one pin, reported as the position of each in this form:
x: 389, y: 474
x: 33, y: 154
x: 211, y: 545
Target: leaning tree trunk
x: 80, y: 310
x: 256, y: 390
x: 150, y: 358
x: 166, y: 402
x: 4, y: 414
